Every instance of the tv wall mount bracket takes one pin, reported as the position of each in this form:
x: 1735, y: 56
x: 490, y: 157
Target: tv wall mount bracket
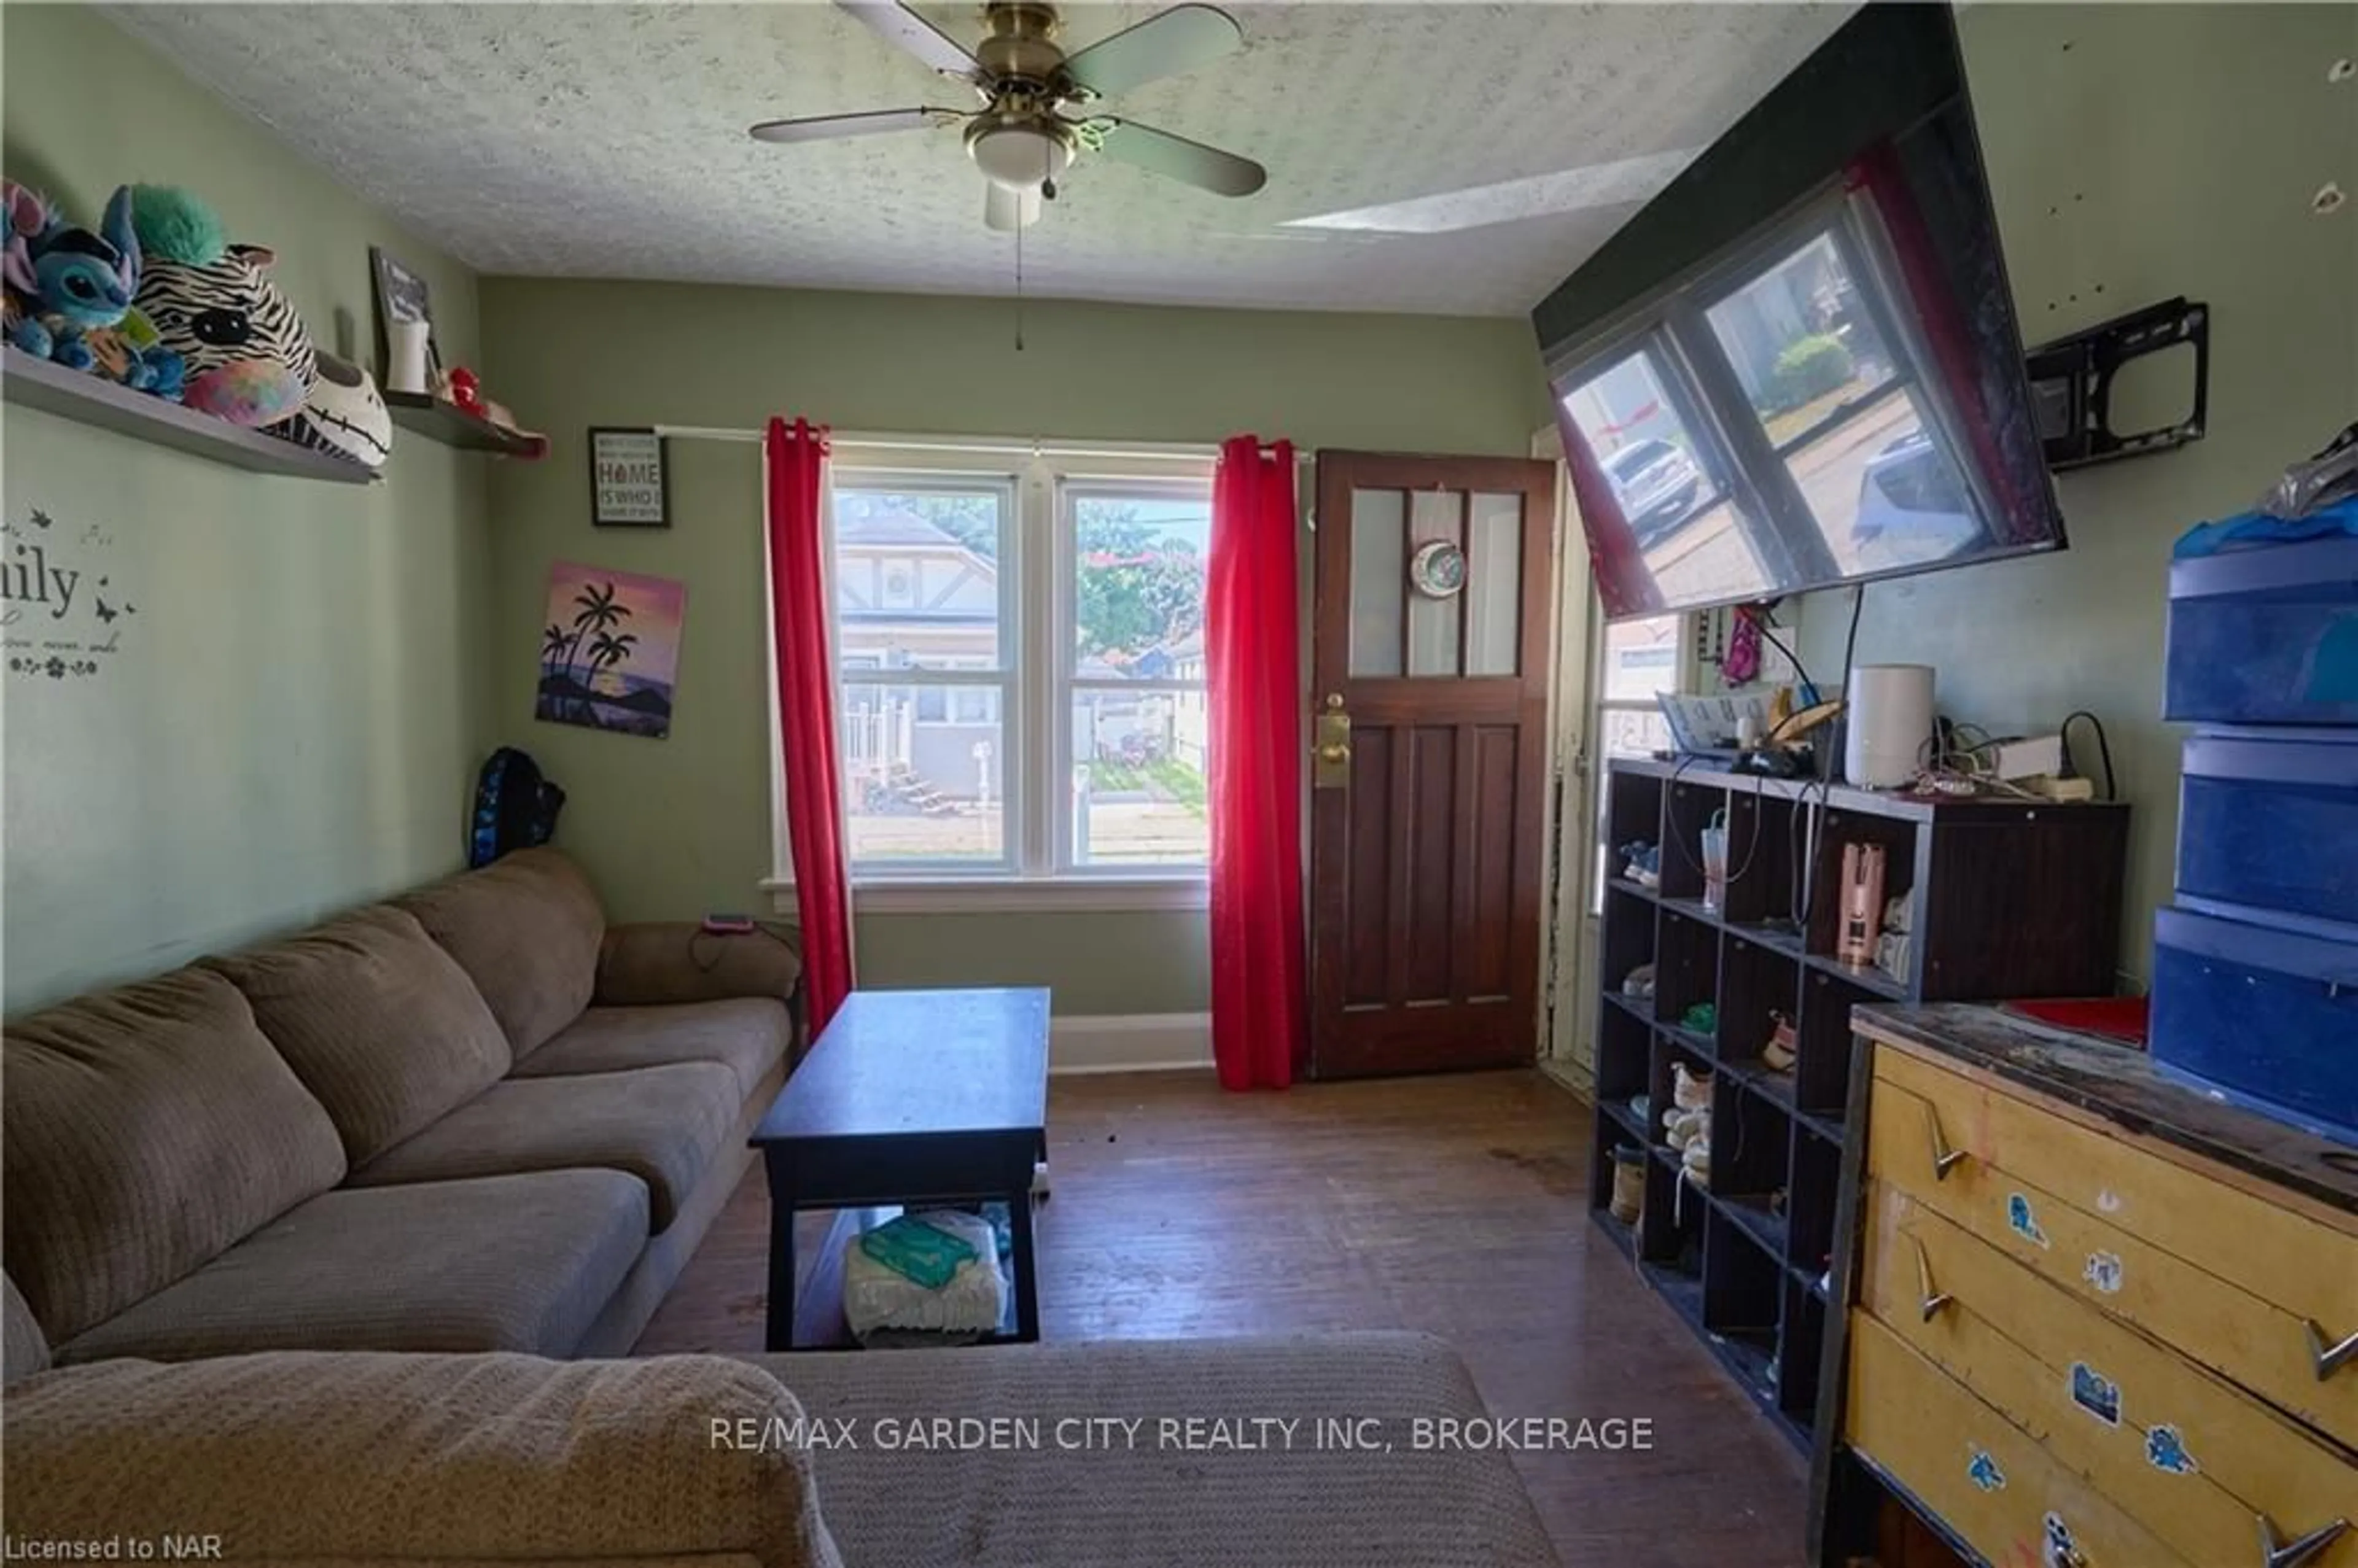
x: 2071, y: 385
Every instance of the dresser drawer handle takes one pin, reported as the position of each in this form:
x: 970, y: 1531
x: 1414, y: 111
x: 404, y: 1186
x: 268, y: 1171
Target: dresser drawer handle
x: 1944, y: 1159
x: 2329, y: 1358
x: 2274, y: 1553
x: 1929, y: 1301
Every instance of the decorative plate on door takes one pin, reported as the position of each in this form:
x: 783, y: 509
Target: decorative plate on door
x: 1438, y: 568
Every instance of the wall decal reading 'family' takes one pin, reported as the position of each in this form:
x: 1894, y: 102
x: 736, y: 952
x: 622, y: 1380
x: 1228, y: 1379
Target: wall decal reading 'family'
x: 611, y: 650
x: 61, y: 610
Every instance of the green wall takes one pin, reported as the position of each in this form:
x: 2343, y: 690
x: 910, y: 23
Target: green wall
x: 292, y: 716
x: 2136, y: 153
x: 678, y: 826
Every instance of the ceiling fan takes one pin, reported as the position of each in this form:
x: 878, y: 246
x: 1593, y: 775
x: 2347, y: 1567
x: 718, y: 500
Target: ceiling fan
x: 1037, y: 115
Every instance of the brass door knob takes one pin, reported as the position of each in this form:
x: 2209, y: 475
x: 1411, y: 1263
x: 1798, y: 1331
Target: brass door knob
x: 1334, y: 753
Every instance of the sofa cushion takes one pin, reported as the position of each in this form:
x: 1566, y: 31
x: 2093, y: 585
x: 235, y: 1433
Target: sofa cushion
x: 25, y: 1349
x: 657, y: 963
x: 663, y: 1125
x: 146, y: 1129
x: 444, y: 1459
x: 381, y: 1024
x: 1140, y: 1501
x: 503, y: 1263
x: 526, y: 930
x: 748, y: 1037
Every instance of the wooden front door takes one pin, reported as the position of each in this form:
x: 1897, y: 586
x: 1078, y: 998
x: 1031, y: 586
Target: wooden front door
x: 1428, y: 807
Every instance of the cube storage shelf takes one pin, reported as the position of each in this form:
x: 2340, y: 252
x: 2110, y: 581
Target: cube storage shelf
x: 2004, y: 899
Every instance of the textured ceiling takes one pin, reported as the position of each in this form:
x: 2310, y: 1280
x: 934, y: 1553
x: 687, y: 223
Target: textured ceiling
x: 609, y: 140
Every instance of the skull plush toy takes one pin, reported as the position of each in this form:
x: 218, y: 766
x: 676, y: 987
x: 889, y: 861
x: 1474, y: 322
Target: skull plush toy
x: 343, y: 414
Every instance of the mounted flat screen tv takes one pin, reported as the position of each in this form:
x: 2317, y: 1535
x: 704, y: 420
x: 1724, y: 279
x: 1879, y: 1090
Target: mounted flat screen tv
x: 1799, y: 365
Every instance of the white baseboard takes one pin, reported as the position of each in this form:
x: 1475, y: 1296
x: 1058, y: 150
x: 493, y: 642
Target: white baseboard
x: 1129, y: 1043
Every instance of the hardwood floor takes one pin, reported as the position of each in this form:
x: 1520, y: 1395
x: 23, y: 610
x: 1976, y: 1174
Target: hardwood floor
x: 1450, y: 1205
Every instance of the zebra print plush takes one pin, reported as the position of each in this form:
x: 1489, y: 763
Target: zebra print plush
x: 250, y: 360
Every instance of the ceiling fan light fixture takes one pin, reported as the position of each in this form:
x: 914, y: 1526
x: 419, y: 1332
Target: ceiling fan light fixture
x: 1019, y: 153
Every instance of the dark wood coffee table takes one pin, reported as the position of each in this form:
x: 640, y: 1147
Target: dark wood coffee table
x: 915, y: 1097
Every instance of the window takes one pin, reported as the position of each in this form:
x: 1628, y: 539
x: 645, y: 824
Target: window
x: 919, y: 589
x: 1697, y: 542
x: 1840, y: 411
x: 1768, y: 423
x: 1136, y: 736
x: 1636, y: 660
x: 1020, y: 669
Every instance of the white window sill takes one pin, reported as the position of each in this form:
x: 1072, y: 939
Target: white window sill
x: 1013, y: 896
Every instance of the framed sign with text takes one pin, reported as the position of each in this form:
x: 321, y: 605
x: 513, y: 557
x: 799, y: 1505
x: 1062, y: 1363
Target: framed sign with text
x: 628, y: 485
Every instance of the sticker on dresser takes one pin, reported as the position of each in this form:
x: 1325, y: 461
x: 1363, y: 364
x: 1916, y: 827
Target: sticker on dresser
x: 2095, y: 1394
x: 2104, y: 1271
x: 2022, y: 1221
x: 2165, y: 1449
x: 2058, y: 1549
x: 1983, y: 1470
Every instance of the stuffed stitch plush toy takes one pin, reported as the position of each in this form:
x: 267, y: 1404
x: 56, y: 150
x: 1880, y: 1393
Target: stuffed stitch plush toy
x: 248, y: 358
x: 70, y: 288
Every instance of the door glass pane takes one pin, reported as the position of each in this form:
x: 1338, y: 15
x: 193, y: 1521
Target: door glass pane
x: 1882, y: 492
x: 1378, y: 580
x: 1494, y: 583
x: 1137, y: 791
x: 1665, y: 481
x: 1434, y: 516
x: 916, y: 577
x: 1801, y: 341
x: 922, y: 769
x: 1138, y: 585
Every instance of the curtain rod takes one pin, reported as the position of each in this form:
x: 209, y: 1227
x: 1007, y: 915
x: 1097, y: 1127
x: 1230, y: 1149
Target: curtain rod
x: 1175, y: 451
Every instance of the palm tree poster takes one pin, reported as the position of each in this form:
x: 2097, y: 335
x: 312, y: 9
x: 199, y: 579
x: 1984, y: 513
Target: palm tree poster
x: 611, y: 649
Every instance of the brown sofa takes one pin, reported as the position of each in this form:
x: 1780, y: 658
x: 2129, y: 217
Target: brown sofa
x: 473, y: 1119
x: 780, y: 1461
x: 476, y: 1120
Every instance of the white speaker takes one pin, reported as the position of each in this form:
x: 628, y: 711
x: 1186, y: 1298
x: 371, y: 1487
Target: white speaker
x: 1888, y: 721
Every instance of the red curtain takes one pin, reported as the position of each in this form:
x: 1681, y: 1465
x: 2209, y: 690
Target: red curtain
x: 1624, y: 583
x: 1955, y: 362
x: 799, y: 611
x: 1261, y: 1012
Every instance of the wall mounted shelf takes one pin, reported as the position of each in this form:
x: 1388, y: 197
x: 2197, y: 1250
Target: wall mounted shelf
x: 91, y: 400
x: 454, y: 427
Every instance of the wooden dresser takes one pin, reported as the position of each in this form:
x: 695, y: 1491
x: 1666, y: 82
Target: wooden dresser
x: 2093, y: 1319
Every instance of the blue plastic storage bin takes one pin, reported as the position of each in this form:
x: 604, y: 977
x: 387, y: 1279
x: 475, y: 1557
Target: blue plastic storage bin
x: 2265, y: 636
x: 2268, y: 1017
x: 2271, y: 825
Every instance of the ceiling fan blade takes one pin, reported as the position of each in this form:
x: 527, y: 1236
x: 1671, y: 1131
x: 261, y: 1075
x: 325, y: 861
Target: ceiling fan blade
x: 1008, y: 210
x: 828, y: 127
x: 1176, y: 157
x: 1178, y: 39
x: 907, y: 30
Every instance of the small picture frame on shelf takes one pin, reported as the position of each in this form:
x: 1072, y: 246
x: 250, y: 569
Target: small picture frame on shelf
x: 630, y: 484
x: 409, y: 361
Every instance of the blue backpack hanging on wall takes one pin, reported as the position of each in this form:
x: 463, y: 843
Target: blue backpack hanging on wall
x: 516, y: 808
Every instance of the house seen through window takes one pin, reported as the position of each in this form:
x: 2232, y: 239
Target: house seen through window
x: 1021, y: 672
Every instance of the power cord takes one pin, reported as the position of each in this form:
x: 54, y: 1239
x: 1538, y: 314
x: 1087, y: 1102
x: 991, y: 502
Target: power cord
x: 1751, y: 849
x: 702, y: 942
x: 1804, y: 844
x: 2104, y: 748
x: 1849, y: 643
x: 1759, y: 616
